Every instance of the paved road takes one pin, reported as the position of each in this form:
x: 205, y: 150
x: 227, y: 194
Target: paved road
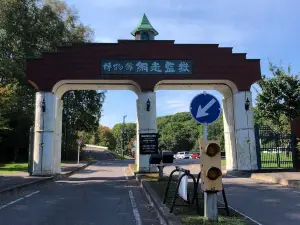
x: 98, y: 154
x: 100, y: 194
x: 190, y: 164
x: 267, y: 204
x: 264, y: 203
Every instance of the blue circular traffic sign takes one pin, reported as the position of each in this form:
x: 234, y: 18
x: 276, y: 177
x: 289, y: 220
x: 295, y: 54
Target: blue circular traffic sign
x: 205, y: 108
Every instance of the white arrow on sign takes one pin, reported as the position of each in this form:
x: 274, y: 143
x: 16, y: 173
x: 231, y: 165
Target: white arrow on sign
x: 202, y: 111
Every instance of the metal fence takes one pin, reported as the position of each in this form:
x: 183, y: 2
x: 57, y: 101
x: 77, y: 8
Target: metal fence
x: 274, y: 150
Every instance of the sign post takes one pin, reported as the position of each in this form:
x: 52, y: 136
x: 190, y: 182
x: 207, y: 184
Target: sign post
x: 206, y: 109
x: 79, y: 142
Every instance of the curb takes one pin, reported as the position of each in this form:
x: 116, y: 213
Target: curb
x: 18, y: 188
x: 237, y: 173
x: 70, y: 173
x: 276, y: 180
x: 165, y: 217
x: 260, y: 176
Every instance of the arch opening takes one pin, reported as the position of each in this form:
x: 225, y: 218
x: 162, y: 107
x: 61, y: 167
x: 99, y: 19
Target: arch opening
x: 225, y: 87
x: 63, y: 86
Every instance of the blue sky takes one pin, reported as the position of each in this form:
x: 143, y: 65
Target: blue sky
x: 264, y: 29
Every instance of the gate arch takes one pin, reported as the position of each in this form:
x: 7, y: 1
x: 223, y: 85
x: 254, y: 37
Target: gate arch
x: 80, y: 67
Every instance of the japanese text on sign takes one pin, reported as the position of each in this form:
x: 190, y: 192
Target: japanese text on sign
x: 146, y: 67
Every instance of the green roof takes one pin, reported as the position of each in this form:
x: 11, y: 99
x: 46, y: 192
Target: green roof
x: 144, y: 25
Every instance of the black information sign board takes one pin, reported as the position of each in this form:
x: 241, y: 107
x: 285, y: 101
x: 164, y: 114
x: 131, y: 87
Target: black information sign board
x: 148, y: 143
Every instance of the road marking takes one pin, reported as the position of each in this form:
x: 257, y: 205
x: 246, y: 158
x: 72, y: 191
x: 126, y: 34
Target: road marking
x: 136, y: 213
x: 249, y: 218
x: 13, y: 202
x: 29, y: 195
x: 149, y: 201
x: 135, y: 210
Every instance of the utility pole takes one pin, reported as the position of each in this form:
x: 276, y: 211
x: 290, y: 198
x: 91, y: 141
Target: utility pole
x: 79, y: 143
x: 123, y: 135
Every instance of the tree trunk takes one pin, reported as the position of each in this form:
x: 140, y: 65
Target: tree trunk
x: 16, y: 151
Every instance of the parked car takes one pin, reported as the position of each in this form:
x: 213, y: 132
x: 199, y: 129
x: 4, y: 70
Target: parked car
x: 182, y: 155
x: 195, y: 156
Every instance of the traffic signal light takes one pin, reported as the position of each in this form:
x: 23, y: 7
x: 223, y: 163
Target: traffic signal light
x: 210, y: 163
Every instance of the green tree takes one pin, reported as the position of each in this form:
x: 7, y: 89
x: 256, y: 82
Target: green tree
x: 177, y: 137
x: 106, y: 137
x: 6, y: 94
x: 216, y: 131
x: 28, y: 28
x: 130, y: 132
x: 177, y: 132
x: 81, y: 115
x: 278, y: 103
x: 180, y: 132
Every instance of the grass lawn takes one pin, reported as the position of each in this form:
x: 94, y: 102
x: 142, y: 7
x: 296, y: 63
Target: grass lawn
x: 119, y: 157
x: 276, y: 160
x: 188, y: 214
x: 13, y: 168
x: 223, y: 162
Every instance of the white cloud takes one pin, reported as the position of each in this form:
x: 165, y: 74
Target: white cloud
x: 109, y: 120
x: 243, y: 25
x: 170, y: 102
x: 178, y: 104
x: 189, y: 31
x: 200, y: 32
x: 173, y: 21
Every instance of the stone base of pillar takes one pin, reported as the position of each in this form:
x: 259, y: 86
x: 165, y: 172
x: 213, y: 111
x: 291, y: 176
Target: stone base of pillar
x: 44, y: 173
x: 151, y: 169
x: 144, y: 166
